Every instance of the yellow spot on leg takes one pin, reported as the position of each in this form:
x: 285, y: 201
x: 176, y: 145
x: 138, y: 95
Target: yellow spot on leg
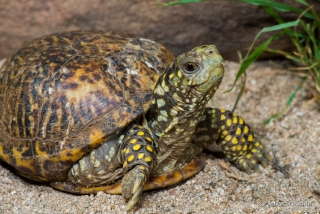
x: 130, y: 158
x: 133, y: 141
x: 222, y: 117
x: 235, y: 120
x: 149, y: 148
x: 148, y: 159
x: 245, y: 148
x: 229, y: 122
x: 141, y: 133
x: 124, y: 164
x: 140, y: 156
x: 246, y: 129
x: 234, y: 140
x: 136, y: 147
x: 142, y: 167
x: 228, y: 138
x: 238, y: 132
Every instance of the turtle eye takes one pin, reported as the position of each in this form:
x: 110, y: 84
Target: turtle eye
x: 191, y: 67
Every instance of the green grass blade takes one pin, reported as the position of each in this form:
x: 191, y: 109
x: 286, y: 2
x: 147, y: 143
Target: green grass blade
x: 303, y: 2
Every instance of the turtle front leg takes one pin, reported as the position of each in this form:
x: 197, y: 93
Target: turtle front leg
x: 234, y: 136
x: 137, y: 156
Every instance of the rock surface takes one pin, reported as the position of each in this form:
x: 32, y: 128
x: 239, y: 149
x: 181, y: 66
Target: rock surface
x: 230, y: 25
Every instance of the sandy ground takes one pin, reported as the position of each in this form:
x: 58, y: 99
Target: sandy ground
x: 294, y: 138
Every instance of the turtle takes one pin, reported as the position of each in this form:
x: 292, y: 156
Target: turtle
x: 90, y: 111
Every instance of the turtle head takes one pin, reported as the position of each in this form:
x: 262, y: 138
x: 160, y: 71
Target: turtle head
x: 194, y: 76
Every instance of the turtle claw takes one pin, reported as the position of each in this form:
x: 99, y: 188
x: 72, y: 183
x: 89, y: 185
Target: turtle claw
x: 132, y: 185
x: 250, y: 162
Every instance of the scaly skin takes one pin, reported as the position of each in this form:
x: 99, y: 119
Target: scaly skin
x: 235, y: 138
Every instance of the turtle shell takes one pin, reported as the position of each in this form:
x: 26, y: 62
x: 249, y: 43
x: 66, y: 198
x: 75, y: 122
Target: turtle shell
x: 63, y: 94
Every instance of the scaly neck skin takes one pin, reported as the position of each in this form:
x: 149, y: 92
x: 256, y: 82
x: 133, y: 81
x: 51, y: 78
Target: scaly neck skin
x: 174, y: 115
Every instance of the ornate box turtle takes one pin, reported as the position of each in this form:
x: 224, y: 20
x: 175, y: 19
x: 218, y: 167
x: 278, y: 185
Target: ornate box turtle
x: 93, y: 111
